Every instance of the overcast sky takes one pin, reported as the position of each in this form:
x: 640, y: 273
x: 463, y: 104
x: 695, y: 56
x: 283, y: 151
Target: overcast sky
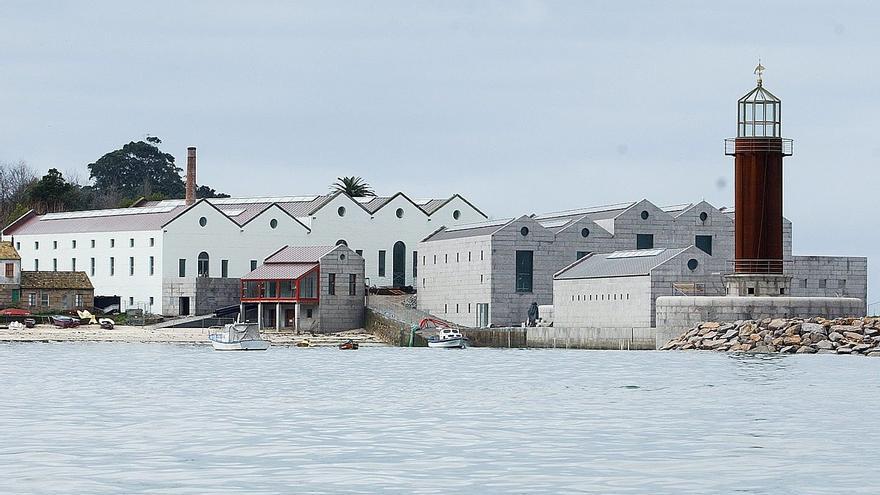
x: 519, y: 106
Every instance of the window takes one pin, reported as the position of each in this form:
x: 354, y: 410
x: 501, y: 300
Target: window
x: 10, y: 270
x: 341, y: 242
x: 152, y: 265
x: 524, y: 265
x: 469, y: 257
x: 581, y: 254
x: 131, y: 266
x: 203, y: 221
x: 456, y: 214
x: 751, y: 291
x: 446, y: 258
x: 481, y: 255
x: 36, y: 265
x: 704, y: 243
x: 381, y: 263
x: 445, y: 308
x: 151, y: 300
x: 645, y: 215
x: 524, y: 231
x: 36, y: 245
x: 415, y: 264
x: 456, y: 307
x: 286, y: 289
x: 456, y: 258
x: 32, y: 299
x: 78, y: 300
x: 823, y: 283
x: 44, y: 298
x: 693, y: 264
x: 585, y: 232
x: 435, y: 259
x: 307, y: 287
x: 253, y: 265
x: 131, y: 243
x: 152, y: 241
x: 273, y: 224
x: 18, y: 246
x: 54, y: 244
x: 644, y: 241
x: 782, y: 291
x: 203, y: 264
x: 804, y: 283
x: 224, y: 268
x: 704, y: 216
x: 181, y: 267
x: 73, y: 244
x: 308, y: 312
x: 73, y: 264
x: 93, y: 243
x: 112, y: 266
x: 399, y: 213
x: 54, y: 264
x: 271, y: 287
x: 360, y: 252
x: 92, y: 267
x: 352, y: 284
x: 331, y: 284
x: 340, y: 211
x: 112, y: 242
x: 130, y: 301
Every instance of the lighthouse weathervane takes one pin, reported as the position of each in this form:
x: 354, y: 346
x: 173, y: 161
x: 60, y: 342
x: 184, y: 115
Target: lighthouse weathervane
x: 758, y: 150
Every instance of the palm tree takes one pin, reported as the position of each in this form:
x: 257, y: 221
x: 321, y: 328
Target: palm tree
x: 352, y: 186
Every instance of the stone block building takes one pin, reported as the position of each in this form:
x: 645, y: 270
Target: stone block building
x: 475, y: 274
x: 46, y: 292
x: 10, y: 275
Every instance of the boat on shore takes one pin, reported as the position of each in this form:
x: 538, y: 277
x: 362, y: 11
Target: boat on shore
x: 348, y: 345
x: 445, y: 337
x: 239, y: 337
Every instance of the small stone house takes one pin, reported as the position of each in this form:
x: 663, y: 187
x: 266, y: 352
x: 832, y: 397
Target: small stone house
x: 315, y: 289
x: 10, y: 275
x: 43, y: 292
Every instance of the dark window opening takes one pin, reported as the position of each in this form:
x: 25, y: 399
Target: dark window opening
x: 704, y: 243
x: 524, y: 270
x: 331, y: 284
x: 381, y: 263
x: 352, y: 284
x: 581, y: 254
x: 644, y: 241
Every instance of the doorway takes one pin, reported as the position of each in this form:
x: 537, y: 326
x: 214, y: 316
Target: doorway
x: 184, y: 306
x: 398, y: 265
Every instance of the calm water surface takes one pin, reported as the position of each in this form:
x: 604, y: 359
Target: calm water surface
x: 135, y: 418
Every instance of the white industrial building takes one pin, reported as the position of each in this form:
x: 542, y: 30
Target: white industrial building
x: 170, y: 257
x: 488, y: 273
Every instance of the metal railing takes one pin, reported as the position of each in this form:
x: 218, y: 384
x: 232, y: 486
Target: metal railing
x: 732, y: 146
x: 770, y: 267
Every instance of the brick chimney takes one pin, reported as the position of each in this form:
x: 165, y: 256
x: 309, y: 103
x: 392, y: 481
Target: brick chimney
x: 190, y: 175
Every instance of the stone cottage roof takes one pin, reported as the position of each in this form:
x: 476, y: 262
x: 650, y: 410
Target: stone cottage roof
x: 8, y: 252
x: 56, y: 280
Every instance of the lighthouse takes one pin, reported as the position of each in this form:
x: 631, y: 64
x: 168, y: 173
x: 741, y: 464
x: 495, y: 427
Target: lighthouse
x: 758, y: 150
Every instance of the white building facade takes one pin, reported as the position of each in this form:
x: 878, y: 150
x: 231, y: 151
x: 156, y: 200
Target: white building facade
x: 153, y: 254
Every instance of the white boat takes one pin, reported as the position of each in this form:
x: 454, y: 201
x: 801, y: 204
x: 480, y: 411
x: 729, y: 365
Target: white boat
x: 446, y: 337
x: 239, y: 337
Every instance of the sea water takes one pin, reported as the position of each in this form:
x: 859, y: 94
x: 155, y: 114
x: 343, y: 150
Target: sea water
x: 170, y: 419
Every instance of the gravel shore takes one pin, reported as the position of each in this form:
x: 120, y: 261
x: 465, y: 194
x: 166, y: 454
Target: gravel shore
x: 124, y: 333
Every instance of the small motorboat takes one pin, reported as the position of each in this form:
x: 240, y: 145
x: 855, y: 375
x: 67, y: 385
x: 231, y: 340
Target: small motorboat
x: 348, y: 345
x: 239, y: 337
x: 445, y: 337
x: 62, y: 321
x: 17, y: 326
x: 106, y: 323
x: 30, y: 322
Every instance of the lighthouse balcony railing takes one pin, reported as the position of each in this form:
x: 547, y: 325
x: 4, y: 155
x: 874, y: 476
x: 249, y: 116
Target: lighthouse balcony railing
x: 768, y: 267
x: 758, y: 144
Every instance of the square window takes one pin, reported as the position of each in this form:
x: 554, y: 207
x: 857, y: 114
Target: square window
x: 704, y: 243
x: 644, y: 241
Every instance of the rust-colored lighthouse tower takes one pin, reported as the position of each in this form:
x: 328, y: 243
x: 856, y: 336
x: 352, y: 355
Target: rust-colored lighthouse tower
x: 758, y: 149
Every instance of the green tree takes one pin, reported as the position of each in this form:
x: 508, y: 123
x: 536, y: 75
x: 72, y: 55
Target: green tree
x: 138, y: 169
x: 355, y: 187
x: 209, y: 192
x: 52, y: 193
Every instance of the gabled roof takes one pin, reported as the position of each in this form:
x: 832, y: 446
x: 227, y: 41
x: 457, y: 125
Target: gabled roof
x: 8, y: 252
x: 469, y: 230
x: 618, y: 264
x: 55, y: 280
x: 299, y: 254
x: 286, y: 271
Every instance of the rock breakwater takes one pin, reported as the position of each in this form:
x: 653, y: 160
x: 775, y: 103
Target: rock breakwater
x: 784, y: 335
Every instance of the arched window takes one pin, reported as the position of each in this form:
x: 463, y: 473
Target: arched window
x: 341, y: 242
x: 203, y: 264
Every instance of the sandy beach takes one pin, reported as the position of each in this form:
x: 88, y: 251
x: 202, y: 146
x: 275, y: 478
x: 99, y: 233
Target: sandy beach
x: 125, y: 333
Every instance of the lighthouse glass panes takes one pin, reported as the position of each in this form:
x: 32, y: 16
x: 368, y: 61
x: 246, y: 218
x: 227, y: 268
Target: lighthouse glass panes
x: 759, y: 114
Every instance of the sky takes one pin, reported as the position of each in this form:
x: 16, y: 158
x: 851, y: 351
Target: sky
x: 520, y: 106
